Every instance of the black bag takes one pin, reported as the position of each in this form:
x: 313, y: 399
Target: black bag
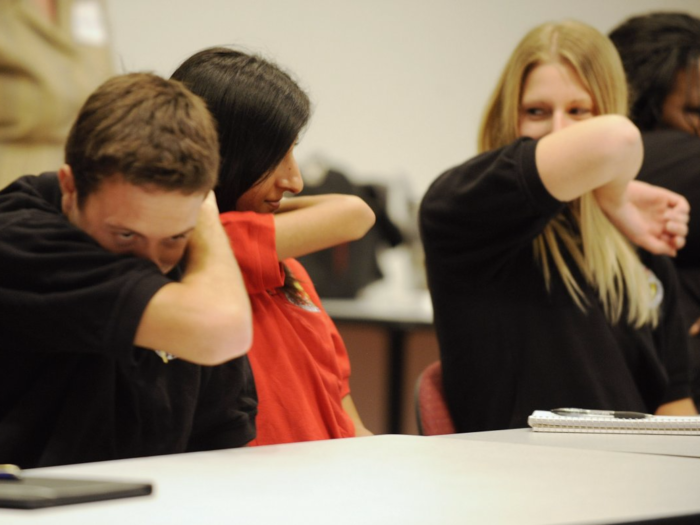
x: 343, y: 270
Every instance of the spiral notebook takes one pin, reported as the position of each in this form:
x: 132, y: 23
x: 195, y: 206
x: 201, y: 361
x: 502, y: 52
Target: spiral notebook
x: 546, y: 421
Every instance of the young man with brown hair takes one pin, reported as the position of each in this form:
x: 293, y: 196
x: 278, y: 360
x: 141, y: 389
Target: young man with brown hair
x: 103, y: 334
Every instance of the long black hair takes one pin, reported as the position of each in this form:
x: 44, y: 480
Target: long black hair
x: 653, y: 49
x: 259, y: 109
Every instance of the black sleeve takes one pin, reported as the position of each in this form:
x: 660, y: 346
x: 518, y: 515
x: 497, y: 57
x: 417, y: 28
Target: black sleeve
x: 228, y: 405
x: 670, y: 335
x: 474, y: 216
x: 61, y: 292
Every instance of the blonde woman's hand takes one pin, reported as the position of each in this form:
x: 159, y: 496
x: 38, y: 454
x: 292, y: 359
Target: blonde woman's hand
x: 652, y: 217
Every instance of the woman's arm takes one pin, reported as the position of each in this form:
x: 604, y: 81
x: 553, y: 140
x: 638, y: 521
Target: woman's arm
x: 305, y: 225
x: 680, y: 407
x: 603, y: 155
x: 351, y: 410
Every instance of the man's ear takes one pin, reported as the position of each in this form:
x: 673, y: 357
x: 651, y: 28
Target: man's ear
x: 69, y: 195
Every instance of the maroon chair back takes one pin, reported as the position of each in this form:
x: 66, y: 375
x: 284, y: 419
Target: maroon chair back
x: 432, y: 414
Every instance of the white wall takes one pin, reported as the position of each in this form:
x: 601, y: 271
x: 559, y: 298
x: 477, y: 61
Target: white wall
x: 398, y: 85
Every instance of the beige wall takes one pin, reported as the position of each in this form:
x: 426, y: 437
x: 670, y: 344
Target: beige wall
x: 398, y: 85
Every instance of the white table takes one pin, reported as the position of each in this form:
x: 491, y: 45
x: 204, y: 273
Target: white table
x: 685, y: 446
x: 388, y: 480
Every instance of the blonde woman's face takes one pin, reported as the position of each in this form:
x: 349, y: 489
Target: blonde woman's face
x: 553, y: 98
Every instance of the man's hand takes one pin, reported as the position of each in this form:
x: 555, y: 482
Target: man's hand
x: 208, y: 218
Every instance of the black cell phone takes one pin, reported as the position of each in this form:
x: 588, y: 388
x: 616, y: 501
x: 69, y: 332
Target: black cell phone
x: 31, y: 492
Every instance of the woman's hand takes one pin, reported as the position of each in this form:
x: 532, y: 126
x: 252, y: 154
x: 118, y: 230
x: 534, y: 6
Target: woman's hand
x: 651, y: 217
x: 680, y: 407
x: 695, y: 329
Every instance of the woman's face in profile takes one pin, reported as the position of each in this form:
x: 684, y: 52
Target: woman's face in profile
x: 266, y: 195
x: 681, y: 109
x: 553, y: 98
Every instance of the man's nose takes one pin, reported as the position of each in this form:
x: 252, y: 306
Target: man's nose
x: 153, y: 254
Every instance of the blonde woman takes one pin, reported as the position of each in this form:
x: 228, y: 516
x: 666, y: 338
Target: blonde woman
x: 538, y: 250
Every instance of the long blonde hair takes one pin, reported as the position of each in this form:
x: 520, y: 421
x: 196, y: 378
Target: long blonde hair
x: 604, y: 256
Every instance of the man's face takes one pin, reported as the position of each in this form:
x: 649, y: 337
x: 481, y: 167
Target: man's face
x: 145, y: 221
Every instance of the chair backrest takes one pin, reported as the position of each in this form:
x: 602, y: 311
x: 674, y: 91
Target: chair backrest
x: 432, y: 414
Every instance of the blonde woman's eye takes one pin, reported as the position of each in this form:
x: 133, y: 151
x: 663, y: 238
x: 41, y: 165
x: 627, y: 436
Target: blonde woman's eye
x: 580, y: 111
x: 534, y: 112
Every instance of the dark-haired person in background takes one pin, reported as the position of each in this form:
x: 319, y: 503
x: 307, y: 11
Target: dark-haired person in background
x: 102, y: 343
x: 300, y: 363
x: 661, y: 56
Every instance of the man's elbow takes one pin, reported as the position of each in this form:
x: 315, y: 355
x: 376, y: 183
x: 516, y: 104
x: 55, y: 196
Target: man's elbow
x: 229, y: 335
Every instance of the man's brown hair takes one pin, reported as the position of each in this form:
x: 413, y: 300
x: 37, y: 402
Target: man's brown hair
x: 150, y: 131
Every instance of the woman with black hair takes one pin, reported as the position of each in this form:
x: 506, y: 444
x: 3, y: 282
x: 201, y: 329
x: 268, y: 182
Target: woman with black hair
x: 299, y: 361
x: 661, y: 56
